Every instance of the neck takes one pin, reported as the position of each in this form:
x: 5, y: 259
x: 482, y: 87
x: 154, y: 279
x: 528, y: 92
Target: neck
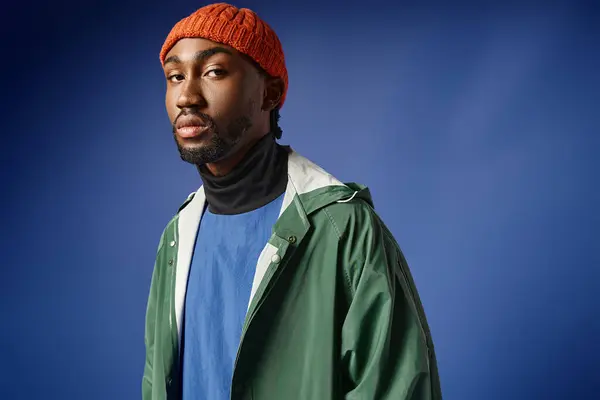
x: 256, y: 178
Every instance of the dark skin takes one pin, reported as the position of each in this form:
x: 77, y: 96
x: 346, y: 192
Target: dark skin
x: 223, y: 98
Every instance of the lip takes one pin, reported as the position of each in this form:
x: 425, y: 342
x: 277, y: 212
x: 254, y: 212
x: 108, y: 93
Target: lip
x: 191, y: 131
x: 189, y: 127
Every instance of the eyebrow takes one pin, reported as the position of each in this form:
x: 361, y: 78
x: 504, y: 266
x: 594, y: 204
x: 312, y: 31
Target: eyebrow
x: 199, y: 56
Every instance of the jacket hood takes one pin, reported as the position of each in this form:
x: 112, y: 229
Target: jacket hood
x: 323, y: 197
x: 317, y: 188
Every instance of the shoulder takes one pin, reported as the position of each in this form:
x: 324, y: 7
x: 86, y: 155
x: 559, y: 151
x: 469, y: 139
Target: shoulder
x: 364, y: 241
x: 358, y: 229
x: 353, y: 220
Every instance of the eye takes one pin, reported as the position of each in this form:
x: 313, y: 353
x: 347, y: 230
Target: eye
x: 175, y: 78
x: 216, y: 73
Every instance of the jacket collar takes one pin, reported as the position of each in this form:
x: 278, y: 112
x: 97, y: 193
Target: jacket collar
x: 310, y: 184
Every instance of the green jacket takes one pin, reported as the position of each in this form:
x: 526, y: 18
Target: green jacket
x: 333, y: 313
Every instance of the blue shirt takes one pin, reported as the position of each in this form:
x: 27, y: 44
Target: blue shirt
x: 218, y: 292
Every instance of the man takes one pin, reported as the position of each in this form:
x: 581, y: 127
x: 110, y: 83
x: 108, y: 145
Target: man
x: 274, y: 280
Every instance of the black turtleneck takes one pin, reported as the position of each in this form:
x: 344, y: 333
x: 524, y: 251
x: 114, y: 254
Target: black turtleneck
x: 257, y: 180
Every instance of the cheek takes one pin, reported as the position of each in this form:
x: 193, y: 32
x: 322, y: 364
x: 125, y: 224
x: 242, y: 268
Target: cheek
x: 171, y: 106
x: 235, y: 101
x: 220, y: 100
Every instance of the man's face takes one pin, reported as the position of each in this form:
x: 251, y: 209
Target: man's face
x: 214, y: 99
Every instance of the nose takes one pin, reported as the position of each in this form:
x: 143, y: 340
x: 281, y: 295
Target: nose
x: 191, y: 95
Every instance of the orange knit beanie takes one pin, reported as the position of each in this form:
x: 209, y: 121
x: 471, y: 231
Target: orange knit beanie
x: 239, y: 28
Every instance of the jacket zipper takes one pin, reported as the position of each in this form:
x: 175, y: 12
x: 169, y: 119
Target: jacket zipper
x: 237, y: 356
x: 244, y: 331
x: 259, y: 302
x: 172, y: 283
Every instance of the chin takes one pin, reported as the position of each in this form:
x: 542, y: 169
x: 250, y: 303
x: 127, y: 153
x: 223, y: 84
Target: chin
x: 201, y: 154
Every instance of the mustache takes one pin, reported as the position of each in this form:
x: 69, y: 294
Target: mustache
x: 206, y: 119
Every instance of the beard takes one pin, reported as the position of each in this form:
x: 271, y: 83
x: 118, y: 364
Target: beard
x: 221, y: 142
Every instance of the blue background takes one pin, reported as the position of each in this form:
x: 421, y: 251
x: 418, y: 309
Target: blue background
x: 476, y: 128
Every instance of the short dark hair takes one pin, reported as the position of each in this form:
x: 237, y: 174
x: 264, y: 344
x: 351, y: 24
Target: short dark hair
x: 274, y: 122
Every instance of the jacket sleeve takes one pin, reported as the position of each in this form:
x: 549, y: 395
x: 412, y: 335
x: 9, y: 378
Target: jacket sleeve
x: 387, y: 351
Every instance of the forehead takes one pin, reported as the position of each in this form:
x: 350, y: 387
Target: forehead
x: 187, y: 48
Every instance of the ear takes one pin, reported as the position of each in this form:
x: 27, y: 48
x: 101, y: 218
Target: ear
x: 273, y: 93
